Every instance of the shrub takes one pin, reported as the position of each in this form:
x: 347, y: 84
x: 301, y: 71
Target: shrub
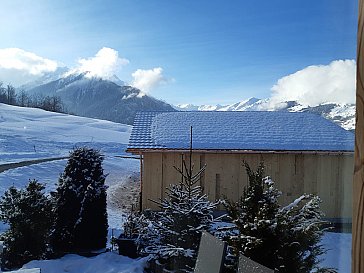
x: 28, y: 212
x: 282, y: 238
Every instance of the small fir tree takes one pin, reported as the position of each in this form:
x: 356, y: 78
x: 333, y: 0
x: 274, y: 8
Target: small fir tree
x: 282, y: 238
x: 81, y: 216
x: 28, y: 212
x: 172, y: 235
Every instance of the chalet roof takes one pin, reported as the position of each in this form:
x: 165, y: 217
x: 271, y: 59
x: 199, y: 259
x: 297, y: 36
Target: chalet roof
x: 256, y: 131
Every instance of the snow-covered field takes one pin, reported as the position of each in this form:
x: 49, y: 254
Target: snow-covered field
x: 27, y: 134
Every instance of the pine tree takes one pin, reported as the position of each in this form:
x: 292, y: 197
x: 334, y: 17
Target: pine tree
x: 282, y: 238
x: 81, y: 216
x: 28, y: 212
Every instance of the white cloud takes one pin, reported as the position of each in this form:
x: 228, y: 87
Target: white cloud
x: 18, y: 66
x: 104, y: 64
x: 317, y: 84
x: 146, y: 80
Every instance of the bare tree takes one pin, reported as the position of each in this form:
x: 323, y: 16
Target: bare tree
x: 10, y: 95
x: 23, y: 99
x: 3, y: 98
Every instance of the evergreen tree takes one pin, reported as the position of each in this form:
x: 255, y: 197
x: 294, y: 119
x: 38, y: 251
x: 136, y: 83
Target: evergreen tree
x: 282, y: 238
x: 173, y: 234
x: 81, y: 216
x: 28, y: 212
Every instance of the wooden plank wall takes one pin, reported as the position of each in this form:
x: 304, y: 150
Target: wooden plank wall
x: 358, y: 182
x: 328, y: 176
x: 152, y: 179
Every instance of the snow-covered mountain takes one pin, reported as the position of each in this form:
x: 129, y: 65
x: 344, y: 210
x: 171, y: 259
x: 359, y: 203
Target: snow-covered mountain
x: 100, y: 98
x: 192, y: 107
x: 59, y: 73
x: 251, y: 104
x: 341, y: 114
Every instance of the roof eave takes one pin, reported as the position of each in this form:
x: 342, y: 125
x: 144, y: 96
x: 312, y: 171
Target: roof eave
x: 236, y: 151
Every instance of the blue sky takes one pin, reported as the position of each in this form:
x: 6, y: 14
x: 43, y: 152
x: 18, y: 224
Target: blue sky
x: 209, y: 51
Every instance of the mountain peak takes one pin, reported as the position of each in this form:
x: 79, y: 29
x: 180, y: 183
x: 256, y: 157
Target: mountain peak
x: 97, y: 97
x: 341, y: 114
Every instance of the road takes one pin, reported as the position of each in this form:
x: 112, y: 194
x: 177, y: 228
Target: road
x: 9, y: 166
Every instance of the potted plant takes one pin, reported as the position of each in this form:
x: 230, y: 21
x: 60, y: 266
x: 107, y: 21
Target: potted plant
x: 127, y: 240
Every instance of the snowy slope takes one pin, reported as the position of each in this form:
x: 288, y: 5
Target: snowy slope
x: 28, y: 133
x: 244, y: 105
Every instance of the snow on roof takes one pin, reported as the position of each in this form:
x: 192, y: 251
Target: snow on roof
x: 258, y: 130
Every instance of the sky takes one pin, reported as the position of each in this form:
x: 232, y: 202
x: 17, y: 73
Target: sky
x: 200, y: 52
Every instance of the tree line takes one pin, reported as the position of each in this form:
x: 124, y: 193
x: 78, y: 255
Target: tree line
x: 9, y: 95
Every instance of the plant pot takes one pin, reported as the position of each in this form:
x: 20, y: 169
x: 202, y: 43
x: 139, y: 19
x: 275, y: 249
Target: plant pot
x: 127, y: 247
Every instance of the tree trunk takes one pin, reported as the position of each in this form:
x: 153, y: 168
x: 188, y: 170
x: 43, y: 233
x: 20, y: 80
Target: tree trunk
x: 358, y: 183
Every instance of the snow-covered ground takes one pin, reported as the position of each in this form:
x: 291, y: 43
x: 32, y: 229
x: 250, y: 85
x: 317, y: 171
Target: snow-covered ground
x: 103, y: 263
x: 339, y: 251
x: 338, y: 257
x: 27, y: 134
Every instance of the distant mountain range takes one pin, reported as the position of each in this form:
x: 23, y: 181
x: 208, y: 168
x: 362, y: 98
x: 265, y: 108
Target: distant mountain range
x: 99, y: 98
x: 341, y: 114
x: 111, y: 99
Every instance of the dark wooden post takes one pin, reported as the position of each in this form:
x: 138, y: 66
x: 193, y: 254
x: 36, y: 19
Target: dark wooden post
x: 141, y: 183
x: 358, y: 183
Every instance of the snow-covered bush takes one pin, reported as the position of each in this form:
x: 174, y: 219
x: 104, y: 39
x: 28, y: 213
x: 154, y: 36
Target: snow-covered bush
x: 135, y: 221
x: 172, y: 234
x: 80, y: 200
x: 28, y: 212
x: 282, y: 238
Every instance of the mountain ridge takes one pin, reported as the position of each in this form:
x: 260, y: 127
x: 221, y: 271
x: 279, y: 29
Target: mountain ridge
x: 99, y: 98
x: 341, y: 114
x: 114, y: 100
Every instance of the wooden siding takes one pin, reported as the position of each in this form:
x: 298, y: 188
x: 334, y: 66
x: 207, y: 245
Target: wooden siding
x: 326, y: 175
